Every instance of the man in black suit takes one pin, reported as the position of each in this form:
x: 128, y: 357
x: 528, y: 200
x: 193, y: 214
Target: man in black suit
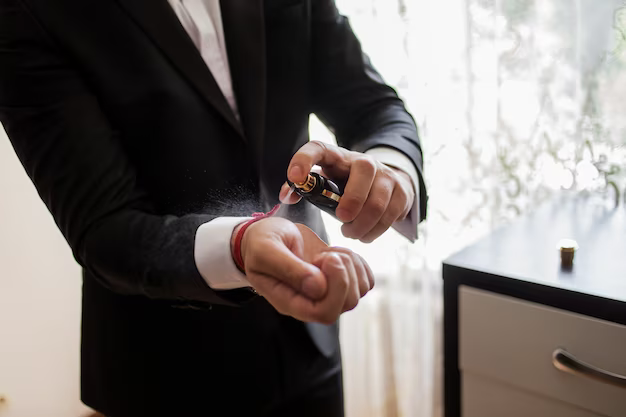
x: 151, y: 128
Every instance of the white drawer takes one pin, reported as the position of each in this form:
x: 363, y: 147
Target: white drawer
x: 486, y: 398
x: 513, y: 341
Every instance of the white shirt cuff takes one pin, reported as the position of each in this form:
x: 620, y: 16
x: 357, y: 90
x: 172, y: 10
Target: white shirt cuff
x: 398, y: 160
x: 213, y: 256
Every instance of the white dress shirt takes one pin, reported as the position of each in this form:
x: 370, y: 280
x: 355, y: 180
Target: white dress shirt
x: 202, y: 19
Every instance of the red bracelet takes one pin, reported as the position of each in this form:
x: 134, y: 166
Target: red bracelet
x: 239, y: 238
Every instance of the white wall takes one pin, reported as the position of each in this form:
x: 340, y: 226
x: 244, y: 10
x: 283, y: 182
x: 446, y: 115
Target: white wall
x: 39, y: 303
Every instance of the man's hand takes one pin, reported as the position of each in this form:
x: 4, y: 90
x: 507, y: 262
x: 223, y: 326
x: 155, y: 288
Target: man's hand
x: 299, y: 274
x: 375, y: 197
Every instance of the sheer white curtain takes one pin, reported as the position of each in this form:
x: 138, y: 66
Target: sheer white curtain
x: 515, y: 100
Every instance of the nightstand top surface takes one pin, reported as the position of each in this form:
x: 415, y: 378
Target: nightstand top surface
x: 526, y: 249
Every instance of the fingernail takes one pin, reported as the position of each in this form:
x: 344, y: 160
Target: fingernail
x: 295, y: 173
x: 283, y: 192
x: 311, y: 288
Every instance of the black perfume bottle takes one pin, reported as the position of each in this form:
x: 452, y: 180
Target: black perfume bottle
x: 319, y: 191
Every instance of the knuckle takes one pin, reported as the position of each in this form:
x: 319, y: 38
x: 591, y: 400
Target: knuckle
x: 352, y: 203
x: 306, y: 153
x: 376, y: 206
x: 388, y: 183
x: 388, y: 173
x: 355, y: 201
x: 319, y: 144
x: 366, y: 164
x: 393, y: 213
x: 343, y: 282
x: 345, y: 258
x: 402, y: 194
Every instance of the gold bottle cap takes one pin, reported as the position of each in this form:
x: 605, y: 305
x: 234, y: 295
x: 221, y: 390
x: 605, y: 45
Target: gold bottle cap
x: 567, y: 248
x: 307, y: 185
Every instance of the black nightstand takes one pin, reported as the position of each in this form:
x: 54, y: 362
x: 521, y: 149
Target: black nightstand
x: 523, y: 337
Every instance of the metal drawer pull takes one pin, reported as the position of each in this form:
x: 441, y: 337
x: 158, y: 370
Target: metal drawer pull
x: 566, y: 362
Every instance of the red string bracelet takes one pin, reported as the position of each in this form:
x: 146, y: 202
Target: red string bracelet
x: 239, y: 238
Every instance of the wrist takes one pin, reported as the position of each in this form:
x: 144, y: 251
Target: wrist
x: 238, y: 240
x: 234, y: 247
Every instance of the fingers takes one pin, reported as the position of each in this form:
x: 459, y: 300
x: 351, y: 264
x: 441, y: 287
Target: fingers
x: 273, y: 258
x: 326, y: 311
x: 389, y: 200
x: 368, y: 270
x: 354, y: 291
x: 363, y: 272
x: 373, y: 209
x: 288, y: 196
x: 282, y: 297
x: 375, y: 197
x: 348, y: 276
x: 316, y: 153
x: 366, y: 277
x: 339, y: 284
x: 408, y: 191
x: 362, y: 174
x: 299, y: 274
x: 395, y: 211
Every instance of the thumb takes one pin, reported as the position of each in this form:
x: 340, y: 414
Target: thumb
x: 277, y: 260
x: 315, y: 153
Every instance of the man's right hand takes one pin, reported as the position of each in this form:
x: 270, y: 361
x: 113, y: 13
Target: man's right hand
x: 299, y: 274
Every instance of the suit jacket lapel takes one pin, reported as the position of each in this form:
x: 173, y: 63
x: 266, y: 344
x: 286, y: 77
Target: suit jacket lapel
x: 244, y: 31
x: 160, y: 23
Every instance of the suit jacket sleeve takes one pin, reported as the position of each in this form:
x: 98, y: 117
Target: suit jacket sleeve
x: 74, y: 158
x: 351, y: 98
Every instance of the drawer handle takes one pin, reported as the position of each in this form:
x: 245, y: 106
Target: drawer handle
x: 566, y: 362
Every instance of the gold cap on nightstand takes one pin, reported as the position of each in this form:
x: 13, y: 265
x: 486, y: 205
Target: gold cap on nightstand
x: 568, y: 248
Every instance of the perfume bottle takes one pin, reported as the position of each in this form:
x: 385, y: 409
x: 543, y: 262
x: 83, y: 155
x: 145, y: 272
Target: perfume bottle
x: 319, y: 191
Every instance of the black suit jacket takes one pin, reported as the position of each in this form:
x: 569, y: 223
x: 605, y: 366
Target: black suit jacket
x: 131, y: 145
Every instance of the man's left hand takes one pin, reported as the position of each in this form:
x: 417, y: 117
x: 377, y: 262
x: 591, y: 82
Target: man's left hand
x: 375, y: 196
